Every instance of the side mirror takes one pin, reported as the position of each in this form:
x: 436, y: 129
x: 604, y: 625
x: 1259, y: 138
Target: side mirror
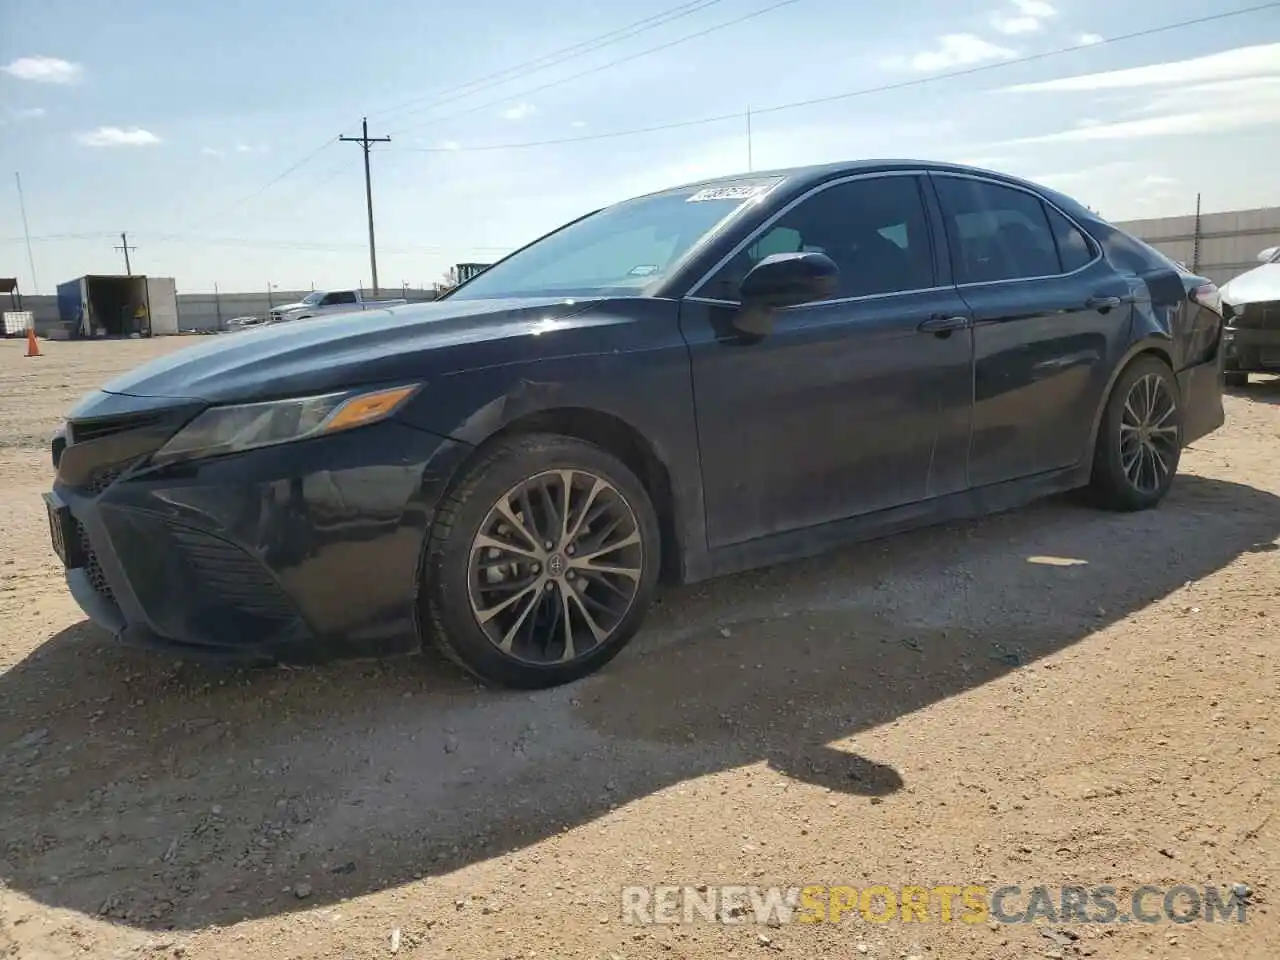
x: 783, y: 280
x: 788, y: 280
x: 1269, y: 254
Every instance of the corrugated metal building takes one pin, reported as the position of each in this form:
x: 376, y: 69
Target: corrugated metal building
x: 1224, y: 246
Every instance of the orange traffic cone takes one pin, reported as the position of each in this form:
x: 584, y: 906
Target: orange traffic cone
x: 33, y: 348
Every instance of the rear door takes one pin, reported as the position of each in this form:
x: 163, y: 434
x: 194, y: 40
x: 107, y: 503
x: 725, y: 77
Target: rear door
x: 162, y: 305
x: 1050, y: 318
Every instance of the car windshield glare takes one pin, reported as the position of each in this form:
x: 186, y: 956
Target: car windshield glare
x: 313, y: 298
x: 621, y: 250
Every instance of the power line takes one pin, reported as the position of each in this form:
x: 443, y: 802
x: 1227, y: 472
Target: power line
x: 263, y: 244
x: 595, y: 43
x: 865, y: 91
x: 264, y: 188
x: 365, y: 142
x: 604, y: 66
x: 555, y: 58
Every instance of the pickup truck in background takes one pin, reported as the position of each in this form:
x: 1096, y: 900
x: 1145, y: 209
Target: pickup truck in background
x: 322, y: 302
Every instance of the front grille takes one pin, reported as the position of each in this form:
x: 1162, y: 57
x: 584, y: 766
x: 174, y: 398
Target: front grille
x: 1257, y: 316
x: 104, y: 477
x: 230, y: 576
x: 92, y: 568
x: 82, y: 431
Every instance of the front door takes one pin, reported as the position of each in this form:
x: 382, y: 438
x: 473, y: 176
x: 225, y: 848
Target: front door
x: 850, y: 405
x: 1048, y: 314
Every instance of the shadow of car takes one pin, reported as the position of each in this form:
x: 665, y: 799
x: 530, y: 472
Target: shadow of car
x: 174, y: 799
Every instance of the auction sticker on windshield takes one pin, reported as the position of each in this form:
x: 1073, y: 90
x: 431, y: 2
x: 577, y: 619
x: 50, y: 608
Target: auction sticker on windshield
x: 734, y: 191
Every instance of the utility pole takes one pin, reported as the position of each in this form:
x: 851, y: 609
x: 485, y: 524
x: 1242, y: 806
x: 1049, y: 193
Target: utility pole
x: 124, y: 246
x: 1195, y: 245
x: 26, y: 231
x: 365, y: 142
x: 750, y: 164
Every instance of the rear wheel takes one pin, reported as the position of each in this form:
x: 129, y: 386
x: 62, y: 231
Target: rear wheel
x: 1139, y: 439
x: 1235, y: 378
x: 541, y: 564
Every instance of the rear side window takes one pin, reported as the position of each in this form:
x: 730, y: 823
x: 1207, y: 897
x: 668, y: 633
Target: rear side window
x: 1074, y: 247
x: 997, y: 232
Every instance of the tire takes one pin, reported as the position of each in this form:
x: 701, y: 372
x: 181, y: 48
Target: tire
x: 1235, y: 378
x: 1128, y: 476
x: 610, y: 516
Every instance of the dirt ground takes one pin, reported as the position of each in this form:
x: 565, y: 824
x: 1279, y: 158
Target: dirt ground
x: 1053, y: 696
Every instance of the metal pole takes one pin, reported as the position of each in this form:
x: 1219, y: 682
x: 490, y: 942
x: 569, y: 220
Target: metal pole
x: 31, y: 260
x: 124, y: 246
x: 750, y: 165
x: 1195, y: 244
x: 217, y: 304
x: 365, y: 142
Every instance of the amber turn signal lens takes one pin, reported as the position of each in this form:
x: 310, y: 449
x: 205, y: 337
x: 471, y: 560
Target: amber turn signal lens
x: 367, y: 408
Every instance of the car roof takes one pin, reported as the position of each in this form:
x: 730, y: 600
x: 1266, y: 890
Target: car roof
x: 813, y: 174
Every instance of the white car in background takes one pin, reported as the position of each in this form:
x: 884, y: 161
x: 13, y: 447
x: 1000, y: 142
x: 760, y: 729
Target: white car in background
x: 1252, y: 310
x: 322, y: 302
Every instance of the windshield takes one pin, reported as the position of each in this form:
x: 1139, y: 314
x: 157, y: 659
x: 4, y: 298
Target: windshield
x: 311, y: 299
x: 620, y: 250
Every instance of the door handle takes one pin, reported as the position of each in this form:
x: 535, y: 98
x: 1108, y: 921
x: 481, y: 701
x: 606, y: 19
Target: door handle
x: 943, y: 325
x: 1103, y: 303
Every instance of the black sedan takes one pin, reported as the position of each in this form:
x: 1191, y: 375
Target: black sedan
x: 686, y: 384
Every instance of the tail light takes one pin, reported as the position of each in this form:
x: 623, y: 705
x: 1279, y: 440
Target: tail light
x: 1208, y: 296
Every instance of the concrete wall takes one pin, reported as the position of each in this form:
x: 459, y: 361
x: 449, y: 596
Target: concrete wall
x: 204, y: 311
x: 1229, y: 242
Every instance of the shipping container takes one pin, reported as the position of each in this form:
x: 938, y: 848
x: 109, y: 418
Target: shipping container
x: 116, y: 306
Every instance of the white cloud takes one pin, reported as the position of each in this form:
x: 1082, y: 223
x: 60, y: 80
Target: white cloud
x: 1089, y: 39
x: 955, y: 50
x: 44, y: 70
x: 579, y: 124
x: 118, y: 137
x: 1036, y: 8
x: 212, y: 152
x: 450, y: 145
x: 1003, y: 23
x: 1227, y: 65
x: 519, y: 112
x: 1027, y: 16
x: 1233, y: 90
x: 1170, y: 125
x: 19, y: 114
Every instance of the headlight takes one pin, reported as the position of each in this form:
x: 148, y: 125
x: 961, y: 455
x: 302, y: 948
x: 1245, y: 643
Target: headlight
x: 221, y: 430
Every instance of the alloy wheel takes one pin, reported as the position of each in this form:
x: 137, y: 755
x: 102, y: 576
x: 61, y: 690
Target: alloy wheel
x: 555, y: 566
x: 1149, y: 433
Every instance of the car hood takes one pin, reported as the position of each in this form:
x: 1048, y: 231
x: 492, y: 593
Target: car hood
x: 288, y: 306
x: 409, y: 342
x: 1254, y: 286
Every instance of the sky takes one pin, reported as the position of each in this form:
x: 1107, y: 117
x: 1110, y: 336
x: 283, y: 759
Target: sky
x: 209, y: 132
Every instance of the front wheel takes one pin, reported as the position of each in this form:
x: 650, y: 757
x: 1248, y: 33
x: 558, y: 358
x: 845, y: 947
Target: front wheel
x: 1139, y: 438
x: 1235, y: 378
x: 541, y: 563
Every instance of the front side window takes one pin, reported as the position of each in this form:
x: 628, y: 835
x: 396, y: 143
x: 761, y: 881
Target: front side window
x: 344, y: 296
x: 621, y: 250
x: 997, y: 232
x: 874, y: 229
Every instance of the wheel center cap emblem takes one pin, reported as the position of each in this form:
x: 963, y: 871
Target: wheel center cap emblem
x: 555, y: 565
